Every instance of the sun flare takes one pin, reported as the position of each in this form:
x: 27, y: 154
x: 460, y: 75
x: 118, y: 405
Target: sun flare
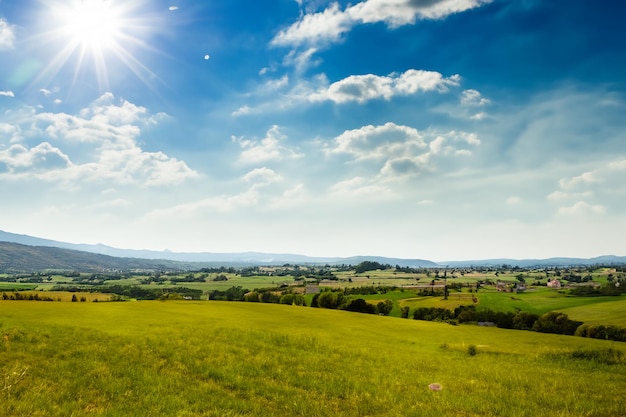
x: 94, y: 24
x: 97, y: 35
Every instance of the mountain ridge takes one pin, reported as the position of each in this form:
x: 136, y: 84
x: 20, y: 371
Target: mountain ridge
x: 190, y: 260
x: 211, y: 258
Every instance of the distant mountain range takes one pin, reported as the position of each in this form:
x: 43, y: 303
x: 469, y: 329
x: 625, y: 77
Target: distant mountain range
x: 23, y: 252
x: 181, y: 260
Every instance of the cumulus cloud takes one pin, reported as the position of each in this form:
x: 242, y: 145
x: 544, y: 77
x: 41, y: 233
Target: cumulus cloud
x: 284, y: 94
x: 7, y: 35
x: 7, y: 93
x: 270, y: 148
x: 104, y: 139
x: 473, y: 97
x: 362, y: 88
x: 400, y: 151
x: 377, y: 142
x: 329, y: 25
x: 42, y: 158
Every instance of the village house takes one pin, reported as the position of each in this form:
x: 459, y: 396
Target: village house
x: 555, y: 283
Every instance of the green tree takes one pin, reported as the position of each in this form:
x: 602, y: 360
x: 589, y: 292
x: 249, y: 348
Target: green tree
x: 555, y: 322
x: 384, y: 307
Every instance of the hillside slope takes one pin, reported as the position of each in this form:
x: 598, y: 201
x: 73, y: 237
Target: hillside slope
x: 15, y: 257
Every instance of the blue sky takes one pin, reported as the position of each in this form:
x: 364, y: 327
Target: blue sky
x: 434, y: 129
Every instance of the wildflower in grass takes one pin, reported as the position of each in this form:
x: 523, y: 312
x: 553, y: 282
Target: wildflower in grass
x: 435, y: 386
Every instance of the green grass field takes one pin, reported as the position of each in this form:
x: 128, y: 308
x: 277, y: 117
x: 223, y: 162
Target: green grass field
x: 154, y: 358
x: 612, y: 312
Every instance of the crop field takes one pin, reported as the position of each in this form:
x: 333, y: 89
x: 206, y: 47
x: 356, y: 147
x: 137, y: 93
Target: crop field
x: 198, y: 358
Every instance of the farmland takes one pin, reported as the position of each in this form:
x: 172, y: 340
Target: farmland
x: 248, y: 359
x: 196, y: 357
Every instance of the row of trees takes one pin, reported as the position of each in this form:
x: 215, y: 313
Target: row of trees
x: 552, y: 322
x: 30, y: 297
x: 133, y: 291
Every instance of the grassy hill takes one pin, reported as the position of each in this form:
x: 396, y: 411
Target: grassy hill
x: 16, y: 257
x: 249, y: 359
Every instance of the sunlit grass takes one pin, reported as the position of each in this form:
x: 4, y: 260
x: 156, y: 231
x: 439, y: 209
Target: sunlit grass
x: 244, y: 359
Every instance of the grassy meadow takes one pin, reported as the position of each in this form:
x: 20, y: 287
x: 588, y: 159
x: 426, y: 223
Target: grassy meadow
x: 176, y: 358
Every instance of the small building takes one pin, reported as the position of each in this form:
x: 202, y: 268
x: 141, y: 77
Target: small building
x: 555, y: 283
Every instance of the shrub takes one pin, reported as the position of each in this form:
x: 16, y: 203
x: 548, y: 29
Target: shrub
x: 605, y: 356
x: 472, y: 350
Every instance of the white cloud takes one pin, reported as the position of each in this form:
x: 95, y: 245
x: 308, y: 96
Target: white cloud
x: 103, y: 138
x: 270, y: 148
x: 40, y: 159
x: 581, y: 180
x: 7, y: 93
x: 243, y: 110
x: 359, y: 188
x: 45, y: 92
x: 302, y: 60
x: 479, y: 116
x: 329, y: 25
x: 262, y: 176
x: 582, y: 208
x: 362, y: 88
x: 396, y: 151
x: 564, y: 196
x: 592, y: 190
x: 7, y: 35
x: 223, y: 203
x: 173, y: 8
x: 473, y: 98
x: 316, y: 28
x: 378, y: 142
x: 282, y: 94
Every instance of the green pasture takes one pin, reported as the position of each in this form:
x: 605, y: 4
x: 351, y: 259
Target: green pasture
x: 152, y: 358
x: 13, y: 286
x: 612, y: 311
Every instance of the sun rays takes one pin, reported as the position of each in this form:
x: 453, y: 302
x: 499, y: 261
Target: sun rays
x: 93, y: 36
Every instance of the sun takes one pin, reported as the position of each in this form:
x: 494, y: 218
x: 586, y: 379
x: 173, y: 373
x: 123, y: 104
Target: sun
x: 93, y: 24
x: 96, y: 35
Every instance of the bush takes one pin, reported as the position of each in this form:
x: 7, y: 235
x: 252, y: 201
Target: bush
x: 472, y: 350
x: 604, y: 356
